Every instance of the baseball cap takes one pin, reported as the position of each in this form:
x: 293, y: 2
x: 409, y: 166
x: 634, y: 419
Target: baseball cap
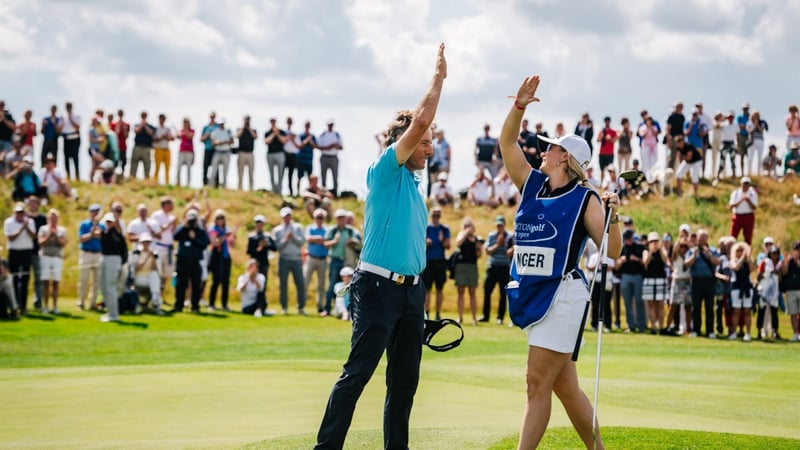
x: 794, y: 146
x: 666, y: 237
x: 19, y: 207
x: 107, y: 164
x: 320, y: 212
x: 745, y: 105
x: 339, y: 213
x: 768, y: 240
x: 329, y: 121
x: 628, y: 234
x: 574, y: 145
x: 653, y: 236
x: 442, y: 176
x: 746, y: 180
x: 611, y: 168
x: 49, y: 157
x: 94, y: 207
x: 685, y: 227
x: 221, y: 120
x: 191, y: 214
x: 346, y: 272
x: 260, y: 218
x: 145, y: 237
x: 285, y: 211
x: 109, y: 217
x: 436, y: 209
x: 27, y: 159
x: 500, y: 220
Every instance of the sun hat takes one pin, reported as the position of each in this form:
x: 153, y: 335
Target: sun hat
x: 574, y: 145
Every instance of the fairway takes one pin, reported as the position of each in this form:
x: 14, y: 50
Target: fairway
x: 227, y: 380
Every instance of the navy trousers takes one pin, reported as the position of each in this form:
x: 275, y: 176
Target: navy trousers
x: 386, y: 316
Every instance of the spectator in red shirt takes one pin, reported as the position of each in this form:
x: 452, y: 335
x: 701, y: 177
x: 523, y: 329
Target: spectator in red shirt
x: 607, y: 137
x: 26, y: 131
x: 122, y: 129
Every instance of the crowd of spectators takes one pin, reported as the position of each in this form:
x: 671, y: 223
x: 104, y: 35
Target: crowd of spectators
x: 665, y: 284
x: 107, y: 137
x: 153, y: 251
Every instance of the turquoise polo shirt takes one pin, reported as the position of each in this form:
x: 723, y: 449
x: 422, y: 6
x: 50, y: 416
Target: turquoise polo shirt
x: 395, y: 217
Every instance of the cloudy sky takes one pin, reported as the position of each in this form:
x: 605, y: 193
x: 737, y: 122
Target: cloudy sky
x: 359, y: 61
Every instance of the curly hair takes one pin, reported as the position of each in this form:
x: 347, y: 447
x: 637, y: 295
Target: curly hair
x: 398, y: 126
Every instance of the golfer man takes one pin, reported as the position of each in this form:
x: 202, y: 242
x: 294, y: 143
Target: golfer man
x: 387, y: 294
x: 548, y: 294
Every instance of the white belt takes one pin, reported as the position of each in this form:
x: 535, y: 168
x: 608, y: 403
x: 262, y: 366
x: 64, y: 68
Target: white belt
x: 388, y: 274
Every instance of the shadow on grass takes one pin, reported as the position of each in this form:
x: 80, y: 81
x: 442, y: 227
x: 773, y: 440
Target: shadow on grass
x: 125, y: 323
x: 41, y: 317
x: 66, y: 315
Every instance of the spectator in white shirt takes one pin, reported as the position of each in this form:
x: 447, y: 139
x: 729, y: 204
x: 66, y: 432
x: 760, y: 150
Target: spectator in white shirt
x: 163, y: 245
x: 249, y: 285
x: 441, y: 193
x: 20, y: 231
x: 743, y: 204
x: 480, y: 190
x: 729, y: 132
x: 505, y: 193
x: 54, y: 178
x: 142, y: 224
x: 144, y: 264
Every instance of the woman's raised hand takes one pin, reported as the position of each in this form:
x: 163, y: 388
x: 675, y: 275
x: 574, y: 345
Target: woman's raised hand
x: 527, y: 92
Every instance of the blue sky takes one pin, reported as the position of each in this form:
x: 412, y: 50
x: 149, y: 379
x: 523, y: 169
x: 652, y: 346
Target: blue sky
x: 359, y: 61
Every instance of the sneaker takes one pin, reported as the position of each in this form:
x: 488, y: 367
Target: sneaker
x: 107, y: 318
x: 693, y: 334
x: 258, y: 313
x: 211, y: 308
x: 323, y: 313
x: 715, y: 182
x: 712, y: 336
x: 302, y: 312
x: 268, y: 313
x: 747, y: 337
x: 285, y: 312
x: 499, y: 321
x: 226, y: 309
x: 159, y: 312
x: 732, y: 337
x: 483, y: 319
x: 54, y: 311
x: 44, y: 311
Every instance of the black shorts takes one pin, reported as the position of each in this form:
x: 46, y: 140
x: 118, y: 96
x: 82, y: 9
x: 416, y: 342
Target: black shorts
x: 435, y: 272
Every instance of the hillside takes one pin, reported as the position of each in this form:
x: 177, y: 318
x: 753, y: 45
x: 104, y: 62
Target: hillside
x: 777, y: 216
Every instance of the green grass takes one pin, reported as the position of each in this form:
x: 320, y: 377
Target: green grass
x: 227, y: 380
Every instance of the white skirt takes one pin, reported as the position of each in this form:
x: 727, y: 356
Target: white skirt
x: 558, y: 331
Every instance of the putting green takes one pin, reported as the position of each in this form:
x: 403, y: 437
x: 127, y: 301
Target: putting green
x: 202, y: 382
